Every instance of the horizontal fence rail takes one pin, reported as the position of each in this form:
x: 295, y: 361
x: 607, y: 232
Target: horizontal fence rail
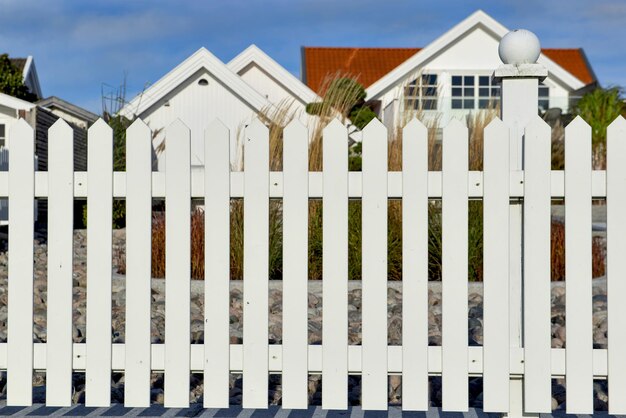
x: 335, y: 359
x: 475, y: 184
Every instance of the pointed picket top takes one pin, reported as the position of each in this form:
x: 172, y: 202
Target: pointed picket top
x: 256, y: 130
x: 59, y: 128
x: 537, y: 131
x: 455, y: 128
x: 99, y: 126
x: 215, y: 128
x: 138, y: 127
x: 578, y: 125
x: 216, y: 131
x: 415, y: 127
x: 496, y: 131
x: 335, y: 127
x: 495, y: 125
x: 21, y: 128
x: 176, y: 127
x: 617, y: 128
x: 295, y: 128
x: 375, y: 131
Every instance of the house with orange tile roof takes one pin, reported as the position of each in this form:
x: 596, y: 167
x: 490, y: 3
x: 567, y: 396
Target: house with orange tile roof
x: 449, y: 78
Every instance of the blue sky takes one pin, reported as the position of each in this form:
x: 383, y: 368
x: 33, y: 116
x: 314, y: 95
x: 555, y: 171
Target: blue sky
x: 79, y: 45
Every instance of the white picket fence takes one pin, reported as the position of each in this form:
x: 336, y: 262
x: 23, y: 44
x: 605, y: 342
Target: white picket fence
x: 537, y: 363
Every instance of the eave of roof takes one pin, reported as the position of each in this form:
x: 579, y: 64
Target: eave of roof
x: 56, y: 102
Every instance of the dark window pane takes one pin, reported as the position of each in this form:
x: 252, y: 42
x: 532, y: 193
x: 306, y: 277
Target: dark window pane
x: 411, y: 91
x: 457, y: 80
x: 430, y: 79
x: 495, y: 92
x: 468, y: 92
x: 430, y: 91
x: 468, y: 80
x: 1, y: 130
x: 430, y: 104
x: 483, y: 103
x: 483, y: 80
x: 544, y: 91
x: 457, y: 92
x: 544, y: 104
x: 468, y: 104
x: 483, y: 92
x: 457, y: 104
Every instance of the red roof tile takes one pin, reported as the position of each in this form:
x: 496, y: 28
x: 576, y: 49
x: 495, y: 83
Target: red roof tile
x: 370, y: 64
x: 572, y: 60
x: 365, y: 64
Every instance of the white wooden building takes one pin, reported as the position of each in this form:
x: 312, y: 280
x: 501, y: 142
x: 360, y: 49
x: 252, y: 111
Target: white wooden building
x: 203, y: 88
x: 274, y: 82
x: 450, y: 77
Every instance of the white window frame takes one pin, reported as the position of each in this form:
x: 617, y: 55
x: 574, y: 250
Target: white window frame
x: 422, y: 90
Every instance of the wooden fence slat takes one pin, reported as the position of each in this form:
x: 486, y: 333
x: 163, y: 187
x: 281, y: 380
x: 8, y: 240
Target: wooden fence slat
x: 537, y: 333
x: 496, y: 268
x: 217, y: 265
x: 60, y: 262
x: 256, y: 266
x: 295, y: 266
x: 335, y: 267
x: 616, y: 263
x: 177, y: 264
x: 454, y: 218
x: 578, y: 270
x: 138, y: 264
x: 20, y: 269
x: 374, y: 392
x: 415, y: 266
x: 99, y: 252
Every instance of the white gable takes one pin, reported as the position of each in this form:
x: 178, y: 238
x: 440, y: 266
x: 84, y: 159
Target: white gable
x: 199, y: 90
x: 196, y: 102
x: 478, y: 50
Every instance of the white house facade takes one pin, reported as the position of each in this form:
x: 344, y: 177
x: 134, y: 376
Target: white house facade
x: 449, y: 78
x: 202, y: 88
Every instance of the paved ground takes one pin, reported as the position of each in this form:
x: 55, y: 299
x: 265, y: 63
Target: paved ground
x: 196, y: 410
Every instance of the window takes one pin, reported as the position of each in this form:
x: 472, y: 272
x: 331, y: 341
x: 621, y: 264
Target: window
x: 488, y: 92
x: 466, y: 87
x: 544, y: 97
x: 2, y: 135
x: 463, y: 92
x: 421, y: 93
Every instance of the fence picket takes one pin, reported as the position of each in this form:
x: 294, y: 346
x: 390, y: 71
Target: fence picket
x: 138, y: 264
x: 99, y: 252
x: 496, y: 268
x: 335, y: 267
x: 616, y: 262
x: 578, y: 273
x: 60, y: 252
x: 454, y: 207
x: 374, y: 267
x: 20, y: 269
x: 217, y: 265
x: 295, y: 266
x: 537, y: 334
x: 415, y: 266
x: 177, y: 264
x: 256, y: 266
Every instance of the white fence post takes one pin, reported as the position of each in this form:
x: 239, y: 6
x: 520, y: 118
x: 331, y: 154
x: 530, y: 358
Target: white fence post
x: 519, y: 102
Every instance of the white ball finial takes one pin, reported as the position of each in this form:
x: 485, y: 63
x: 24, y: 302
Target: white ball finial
x: 519, y: 47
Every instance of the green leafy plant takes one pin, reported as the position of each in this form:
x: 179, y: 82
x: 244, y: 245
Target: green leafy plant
x: 599, y: 108
x: 12, y: 81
